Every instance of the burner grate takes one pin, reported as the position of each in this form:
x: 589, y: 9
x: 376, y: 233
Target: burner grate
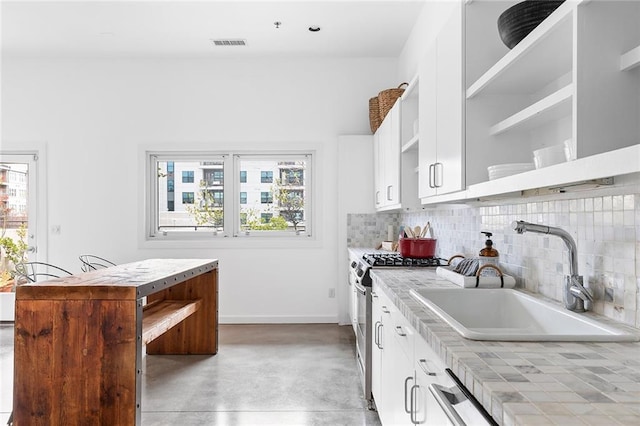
x: 396, y: 260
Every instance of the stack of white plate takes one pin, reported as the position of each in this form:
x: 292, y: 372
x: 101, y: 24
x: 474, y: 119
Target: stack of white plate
x: 551, y: 155
x: 502, y: 170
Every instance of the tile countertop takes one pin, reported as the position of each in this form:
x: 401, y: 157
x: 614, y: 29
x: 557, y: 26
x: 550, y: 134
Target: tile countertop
x: 528, y: 383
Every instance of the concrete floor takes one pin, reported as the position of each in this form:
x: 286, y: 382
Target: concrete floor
x: 262, y: 375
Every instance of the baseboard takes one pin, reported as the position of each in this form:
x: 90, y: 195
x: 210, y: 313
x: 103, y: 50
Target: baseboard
x: 277, y: 319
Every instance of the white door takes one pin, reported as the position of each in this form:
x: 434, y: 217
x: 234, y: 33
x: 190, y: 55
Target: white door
x: 19, y: 201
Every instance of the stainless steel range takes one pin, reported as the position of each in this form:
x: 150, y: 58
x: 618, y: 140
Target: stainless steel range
x: 360, y: 280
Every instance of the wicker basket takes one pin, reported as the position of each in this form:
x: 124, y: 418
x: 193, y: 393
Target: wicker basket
x: 387, y: 98
x: 374, y: 114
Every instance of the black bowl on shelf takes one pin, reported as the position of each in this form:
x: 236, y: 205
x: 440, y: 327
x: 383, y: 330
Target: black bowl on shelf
x: 520, y: 19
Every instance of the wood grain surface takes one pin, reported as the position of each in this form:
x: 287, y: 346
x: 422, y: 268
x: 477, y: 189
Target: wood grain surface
x: 78, y: 340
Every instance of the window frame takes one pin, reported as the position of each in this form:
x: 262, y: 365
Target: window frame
x: 231, y: 192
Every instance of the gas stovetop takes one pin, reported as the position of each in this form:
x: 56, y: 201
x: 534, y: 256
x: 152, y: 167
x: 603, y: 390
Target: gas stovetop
x: 377, y: 260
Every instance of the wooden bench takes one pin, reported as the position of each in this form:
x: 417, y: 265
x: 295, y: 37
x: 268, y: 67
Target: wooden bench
x: 79, y: 340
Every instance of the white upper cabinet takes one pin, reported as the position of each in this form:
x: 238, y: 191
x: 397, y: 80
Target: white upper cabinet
x: 396, y: 159
x: 387, y: 161
x: 573, y: 81
x: 574, y: 78
x: 441, y: 156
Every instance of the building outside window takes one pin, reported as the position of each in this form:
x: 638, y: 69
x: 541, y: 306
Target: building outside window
x: 187, y: 198
x: 187, y: 176
x: 266, y: 197
x: 266, y: 176
x: 214, y: 177
x: 274, y: 194
x: 218, y: 198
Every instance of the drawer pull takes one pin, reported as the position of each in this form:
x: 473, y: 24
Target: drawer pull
x: 400, y: 331
x: 423, y: 365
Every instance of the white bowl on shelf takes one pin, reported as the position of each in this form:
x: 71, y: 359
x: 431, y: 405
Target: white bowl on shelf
x: 551, y: 155
x: 502, y: 170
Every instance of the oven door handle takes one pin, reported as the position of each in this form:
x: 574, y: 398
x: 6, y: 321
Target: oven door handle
x: 359, y: 288
x: 446, y: 400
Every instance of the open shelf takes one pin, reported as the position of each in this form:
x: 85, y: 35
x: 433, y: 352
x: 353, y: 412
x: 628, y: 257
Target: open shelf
x: 630, y: 59
x: 411, y: 90
x: 411, y: 145
x: 527, y: 67
x: 161, y: 315
x: 552, y: 107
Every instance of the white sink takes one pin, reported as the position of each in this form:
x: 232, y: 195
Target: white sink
x: 505, y: 314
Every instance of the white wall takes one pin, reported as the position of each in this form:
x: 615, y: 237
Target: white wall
x: 433, y: 16
x: 96, y: 115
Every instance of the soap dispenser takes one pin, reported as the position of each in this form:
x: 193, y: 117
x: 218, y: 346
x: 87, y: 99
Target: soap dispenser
x: 488, y: 255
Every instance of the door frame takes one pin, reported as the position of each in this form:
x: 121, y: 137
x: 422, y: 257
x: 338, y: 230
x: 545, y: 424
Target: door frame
x: 38, y: 150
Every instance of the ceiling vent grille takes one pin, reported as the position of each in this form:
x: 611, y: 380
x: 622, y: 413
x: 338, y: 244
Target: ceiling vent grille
x: 229, y: 42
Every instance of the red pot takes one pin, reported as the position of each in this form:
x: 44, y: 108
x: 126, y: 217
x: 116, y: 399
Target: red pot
x: 417, y: 248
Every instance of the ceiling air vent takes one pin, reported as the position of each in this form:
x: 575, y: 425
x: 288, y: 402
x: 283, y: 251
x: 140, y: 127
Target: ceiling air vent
x: 229, y: 42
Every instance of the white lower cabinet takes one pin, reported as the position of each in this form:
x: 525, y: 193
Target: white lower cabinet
x: 404, y: 368
x: 429, y: 370
x: 393, y: 371
x: 382, y: 355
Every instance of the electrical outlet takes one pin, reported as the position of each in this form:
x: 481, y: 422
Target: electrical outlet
x: 332, y: 293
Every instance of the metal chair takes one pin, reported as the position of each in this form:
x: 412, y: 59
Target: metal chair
x: 92, y: 263
x: 31, y: 272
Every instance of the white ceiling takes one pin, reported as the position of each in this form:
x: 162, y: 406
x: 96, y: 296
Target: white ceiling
x: 349, y: 28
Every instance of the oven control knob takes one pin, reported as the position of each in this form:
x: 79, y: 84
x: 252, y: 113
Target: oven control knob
x: 353, y: 264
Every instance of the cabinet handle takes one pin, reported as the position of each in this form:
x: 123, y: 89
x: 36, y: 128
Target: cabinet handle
x: 437, y: 167
x: 374, y: 295
x: 380, y: 346
x: 375, y: 332
x: 413, y: 415
x: 377, y: 197
x: 432, y: 175
x: 385, y: 310
x: 389, y: 198
x: 400, y: 332
x: 423, y: 365
x: 406, y: 408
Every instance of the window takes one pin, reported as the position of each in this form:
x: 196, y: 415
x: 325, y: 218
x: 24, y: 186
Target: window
x: 293, y: 177
x: 266, y: 197
x: 212, y: 204
x: 187, y: 176
x: 218, y: 198
x: 187, y: 198
x: 214, y: 177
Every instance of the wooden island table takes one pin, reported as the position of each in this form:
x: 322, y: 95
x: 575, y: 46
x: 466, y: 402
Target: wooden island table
x: 79, y: 339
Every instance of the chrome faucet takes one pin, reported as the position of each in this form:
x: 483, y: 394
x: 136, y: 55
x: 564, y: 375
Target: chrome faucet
x: 574, y: 294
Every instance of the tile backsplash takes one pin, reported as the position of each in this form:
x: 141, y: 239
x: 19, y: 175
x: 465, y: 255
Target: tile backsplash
x: 604, y: 223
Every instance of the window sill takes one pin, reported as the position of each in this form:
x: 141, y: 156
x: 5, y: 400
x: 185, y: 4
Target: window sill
x: 240, y: 242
